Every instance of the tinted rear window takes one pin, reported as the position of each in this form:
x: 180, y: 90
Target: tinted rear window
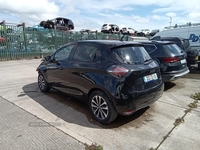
x: 131, y: 55
x: 172, y: 48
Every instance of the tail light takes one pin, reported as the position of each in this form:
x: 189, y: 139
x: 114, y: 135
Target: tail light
x: 117, y: 71
x: 170, y: 59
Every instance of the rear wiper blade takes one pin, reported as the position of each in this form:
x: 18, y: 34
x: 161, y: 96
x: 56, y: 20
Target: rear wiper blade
x: 147, y: 60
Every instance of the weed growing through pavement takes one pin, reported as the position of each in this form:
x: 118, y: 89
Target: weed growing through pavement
x: 196, y: 96
x: 94, y: 146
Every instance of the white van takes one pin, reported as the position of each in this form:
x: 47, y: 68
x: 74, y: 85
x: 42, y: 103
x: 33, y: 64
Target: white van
x: 189, y: 31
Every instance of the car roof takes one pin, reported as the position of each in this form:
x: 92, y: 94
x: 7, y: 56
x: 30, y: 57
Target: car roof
x: 172, y: 38
x: 156, y: 42
x: 60, y: 18
x: 113, y: 43
x: 139, y: 38
x: 111, y: 24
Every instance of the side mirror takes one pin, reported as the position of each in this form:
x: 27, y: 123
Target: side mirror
x: 47, y: 58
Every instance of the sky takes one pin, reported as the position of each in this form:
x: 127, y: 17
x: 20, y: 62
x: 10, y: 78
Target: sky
x: 92, y: 14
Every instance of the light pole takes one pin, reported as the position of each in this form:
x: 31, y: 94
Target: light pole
x: 170, y: 21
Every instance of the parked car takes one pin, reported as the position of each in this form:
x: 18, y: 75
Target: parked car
x: 143, y: 32
x: 184, y: 44
x: 189, y: 31
x: 153, y: 32
x: 133, y: 38
x: 113, y: 77
x: 110, y: 28
x: 127, y: 30
x: 58, y: 23
x: 36, y: 28
x: 85, y: 30
x: 170, y: 57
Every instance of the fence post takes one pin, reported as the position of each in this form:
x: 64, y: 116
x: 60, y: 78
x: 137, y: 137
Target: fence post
x: 5, y: 35
x: 24, y: 34
x: 3, y: 32
x: 96, y: 34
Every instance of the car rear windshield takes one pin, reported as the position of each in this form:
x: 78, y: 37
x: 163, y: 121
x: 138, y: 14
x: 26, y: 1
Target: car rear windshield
x: 173, y: 49
x: 131, y: 54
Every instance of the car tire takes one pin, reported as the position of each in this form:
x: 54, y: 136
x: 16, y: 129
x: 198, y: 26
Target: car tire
x: 102, y: 108
x: 198, y: 65
x: 42, y: 84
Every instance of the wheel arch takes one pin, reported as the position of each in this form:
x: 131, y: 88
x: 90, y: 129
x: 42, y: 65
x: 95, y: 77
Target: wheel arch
x: 110, y: 114
x: 71, y: 27
x: 41, y: 71
x: 104, y: 91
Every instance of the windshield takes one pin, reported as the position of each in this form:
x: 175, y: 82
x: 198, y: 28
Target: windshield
x: 131, y: 55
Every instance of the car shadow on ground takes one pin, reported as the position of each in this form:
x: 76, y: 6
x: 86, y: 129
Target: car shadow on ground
x: 168, y: 85
x: 58, y: 103
x: 194, y: 73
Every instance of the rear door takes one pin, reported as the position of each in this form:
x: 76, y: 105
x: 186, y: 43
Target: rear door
x: 82, y: 66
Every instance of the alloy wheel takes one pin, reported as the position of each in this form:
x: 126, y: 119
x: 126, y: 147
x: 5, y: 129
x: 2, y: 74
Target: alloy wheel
x: 99, y: 107
x: 41, y: 82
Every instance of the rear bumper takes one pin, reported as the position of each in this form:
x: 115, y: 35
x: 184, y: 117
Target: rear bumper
x: 138, y: 100
x: 167, y: 77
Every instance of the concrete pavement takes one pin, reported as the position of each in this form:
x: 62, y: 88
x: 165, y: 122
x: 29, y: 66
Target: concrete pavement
x: 165, y: 125
x: 21, y: 130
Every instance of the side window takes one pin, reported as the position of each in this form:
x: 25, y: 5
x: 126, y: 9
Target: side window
x: 150, y: 48
x: 63, y: 53
x: 85, y: 53
x: 156, y: 38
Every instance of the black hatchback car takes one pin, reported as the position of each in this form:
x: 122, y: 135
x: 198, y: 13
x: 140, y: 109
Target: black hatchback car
x: 58, y: 23
x: 113, y: 77
x: 170, y: 57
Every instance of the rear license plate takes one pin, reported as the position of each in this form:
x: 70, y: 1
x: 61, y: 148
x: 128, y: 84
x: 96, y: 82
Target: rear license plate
x: 183, y: 61
x: 150, y: 77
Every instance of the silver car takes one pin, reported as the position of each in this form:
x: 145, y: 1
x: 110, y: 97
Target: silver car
x: 110, y: 28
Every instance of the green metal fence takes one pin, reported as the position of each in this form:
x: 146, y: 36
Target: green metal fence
x: 16, y: 42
